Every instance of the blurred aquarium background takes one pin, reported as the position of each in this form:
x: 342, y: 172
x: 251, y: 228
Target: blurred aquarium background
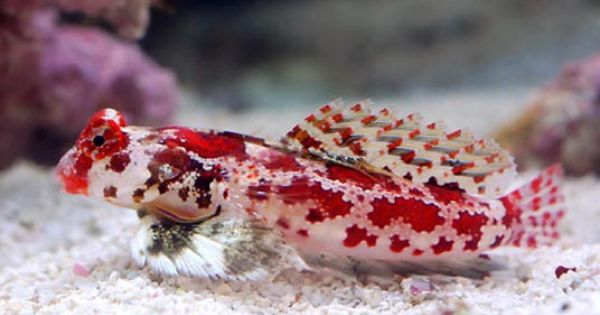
x: 243, y: 54
x: 258, y: 66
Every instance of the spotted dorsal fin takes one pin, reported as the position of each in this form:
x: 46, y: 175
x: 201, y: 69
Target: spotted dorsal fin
x: 404, y: 147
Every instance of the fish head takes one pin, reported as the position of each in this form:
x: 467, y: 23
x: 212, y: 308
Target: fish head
x: 99, y: 141
x: 161, y: 170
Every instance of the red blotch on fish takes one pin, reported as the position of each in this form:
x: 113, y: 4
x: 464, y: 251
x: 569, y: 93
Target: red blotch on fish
x: 443, y: 245
x: 329, y: 204
x: 531, y: 242
x: 446, y: 193
x: 356, y: 148
x: 260, y: 191
x: 304, y: 138
x: 408, y: 156
x: 302, y: 232
x: 420, y: 215
x: 350, y: 175
x: 119, y: 162
x: 461, y: 168
x: 356, y: 108
x: 393, y: 145
x: 536, y: 203
x: 314, y: 215
x: 398, y: 245
x: 470, y: 224
x: 283, y: 162
x: 337, y: 117
x: 326, y: 108
x: 283, y: 222
x: 416, y: 192
x: 209, y: 144
x: 536, y: 184
x: 513, y: 213
x: 454, y: 134
x: 484, y: 256
x: 75, y: 179
x: 355, y: 235
x: 345, y: 134
x: 497, y: 242
x: 369, y: 119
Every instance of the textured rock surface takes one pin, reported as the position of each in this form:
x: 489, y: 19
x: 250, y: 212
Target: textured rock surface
x: 130, y: 18
x: 63, y: 254
x: 54, y: 76
x: 561, y: 122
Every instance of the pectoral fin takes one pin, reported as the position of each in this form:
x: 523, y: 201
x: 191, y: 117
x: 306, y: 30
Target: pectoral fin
x: 217, y: 248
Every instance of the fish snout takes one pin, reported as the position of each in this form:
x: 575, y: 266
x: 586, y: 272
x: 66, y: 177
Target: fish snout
x: 72, y: 172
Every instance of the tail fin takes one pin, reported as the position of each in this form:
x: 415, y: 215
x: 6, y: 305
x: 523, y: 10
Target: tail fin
x: 533, y: 211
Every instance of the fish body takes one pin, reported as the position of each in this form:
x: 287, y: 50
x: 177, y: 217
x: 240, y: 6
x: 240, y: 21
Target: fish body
x: 344, y: 189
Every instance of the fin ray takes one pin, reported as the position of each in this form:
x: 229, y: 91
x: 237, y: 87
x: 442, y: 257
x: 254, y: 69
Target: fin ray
x: 215, y: 248
x: 536, y: 209
x: 474, y: 267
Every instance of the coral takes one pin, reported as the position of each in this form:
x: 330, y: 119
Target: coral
x: 128, y: 17
x: 54, y: 76
x: 561, y: 123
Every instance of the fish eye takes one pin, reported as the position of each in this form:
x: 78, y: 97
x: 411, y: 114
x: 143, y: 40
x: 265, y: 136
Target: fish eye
x: 98, y: 141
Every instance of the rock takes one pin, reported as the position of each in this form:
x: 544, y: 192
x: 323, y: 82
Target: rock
x: 54, y: 76
x: 560, y: 124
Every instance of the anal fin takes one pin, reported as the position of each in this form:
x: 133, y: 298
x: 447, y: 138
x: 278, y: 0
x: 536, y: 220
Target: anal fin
x: 478, y: 267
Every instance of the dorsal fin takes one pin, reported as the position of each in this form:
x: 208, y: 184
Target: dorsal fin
x: 405, y: 147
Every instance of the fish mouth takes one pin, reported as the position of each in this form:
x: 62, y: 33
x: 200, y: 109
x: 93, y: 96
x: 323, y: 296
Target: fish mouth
x: 72, y: 172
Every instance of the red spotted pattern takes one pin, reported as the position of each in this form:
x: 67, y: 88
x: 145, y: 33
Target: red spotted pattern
x: 119, y: 162
x: 74, y: 178
x: 442, y: 246
x: 283, y: 162
x: 260, y: 191
x: 397, y: 245
x: 421, y: 216
x: 470, y: 225
x: 355, y: 235
x: 446, y: 194
x: 329, y: 204
x: 208, y: 144
x: 349, y: 175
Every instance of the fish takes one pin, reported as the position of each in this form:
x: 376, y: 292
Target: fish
x: 347, y: 190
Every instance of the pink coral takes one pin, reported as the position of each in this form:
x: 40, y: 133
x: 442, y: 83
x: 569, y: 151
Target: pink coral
x: 83, y: 67
x: 129, y: 17
x: 561, y: 124
x: 53, y: 77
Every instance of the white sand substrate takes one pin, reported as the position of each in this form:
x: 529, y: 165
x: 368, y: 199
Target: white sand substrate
x: 63, y: 254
